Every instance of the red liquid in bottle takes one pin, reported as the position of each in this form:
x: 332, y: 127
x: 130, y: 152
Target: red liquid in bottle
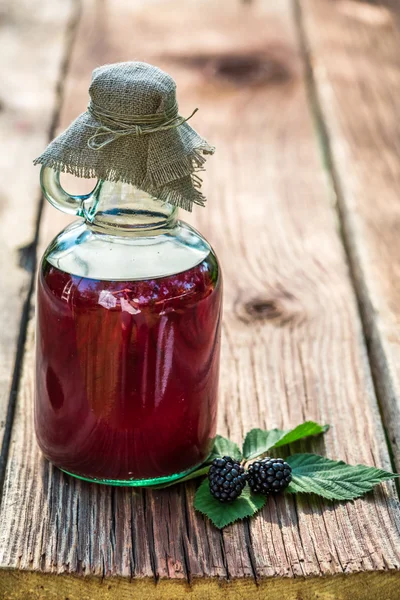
x: 127, y: 372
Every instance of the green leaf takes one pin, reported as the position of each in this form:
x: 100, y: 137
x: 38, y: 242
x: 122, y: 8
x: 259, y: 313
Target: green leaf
x: 259, y: 441
x: 307, y: 429
x: 224, y: 447
x: 222, y: 514
x: 335, y: 480
x: 194, y: 474
x: 200, y: 472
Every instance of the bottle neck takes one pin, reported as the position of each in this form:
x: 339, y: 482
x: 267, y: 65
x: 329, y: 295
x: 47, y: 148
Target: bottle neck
x: 113, y: 208
x: 123, y: 209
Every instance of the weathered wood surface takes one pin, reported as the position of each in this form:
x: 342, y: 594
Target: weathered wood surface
x: 355, y: 49
x: 32, y: 33
x: 293, y: 345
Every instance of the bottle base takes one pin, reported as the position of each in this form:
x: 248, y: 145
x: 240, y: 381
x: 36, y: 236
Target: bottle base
x: 134, y: 482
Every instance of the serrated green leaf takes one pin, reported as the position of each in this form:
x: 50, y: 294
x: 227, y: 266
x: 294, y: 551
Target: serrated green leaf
x: 224, y: 447
x: 334, y: 480
x: 259, y: 441
x: 222, y: 514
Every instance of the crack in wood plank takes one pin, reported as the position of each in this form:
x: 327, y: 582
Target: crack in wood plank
x: 18, y: 286
x: 356, y: 119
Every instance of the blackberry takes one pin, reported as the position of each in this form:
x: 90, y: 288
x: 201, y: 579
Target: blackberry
x: 269, y: 476
x: 227, y: 479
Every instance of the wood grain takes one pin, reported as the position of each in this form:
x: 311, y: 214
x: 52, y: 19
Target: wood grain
x: 293, y: 345
x: 355, y: 48
x: 32, y: 33
x: 19, y: 585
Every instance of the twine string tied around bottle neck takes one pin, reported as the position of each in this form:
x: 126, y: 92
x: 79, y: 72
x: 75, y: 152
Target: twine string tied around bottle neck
x: 115, y: 125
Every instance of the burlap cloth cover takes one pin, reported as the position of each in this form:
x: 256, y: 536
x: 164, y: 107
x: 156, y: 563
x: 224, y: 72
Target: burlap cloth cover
x: 132, y: 132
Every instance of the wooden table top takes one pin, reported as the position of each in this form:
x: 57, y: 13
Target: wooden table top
x: 301, y: 99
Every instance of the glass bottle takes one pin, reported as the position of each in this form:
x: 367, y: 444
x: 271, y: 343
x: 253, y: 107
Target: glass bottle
x: 128, y: 338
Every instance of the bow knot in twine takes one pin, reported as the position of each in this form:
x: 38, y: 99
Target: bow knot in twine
x: 114, y: 125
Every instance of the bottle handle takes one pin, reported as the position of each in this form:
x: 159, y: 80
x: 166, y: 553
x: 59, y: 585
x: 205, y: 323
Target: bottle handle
x: 81, y: 206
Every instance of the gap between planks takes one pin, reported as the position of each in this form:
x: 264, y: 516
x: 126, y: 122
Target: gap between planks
x: 378, y: 368
x: 357, y: 93
x: 28, y: 252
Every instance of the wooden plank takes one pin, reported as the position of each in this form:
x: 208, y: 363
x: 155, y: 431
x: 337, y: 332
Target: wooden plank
x: 32, y: 37
x: 355, y: 49
x: 293, y: 345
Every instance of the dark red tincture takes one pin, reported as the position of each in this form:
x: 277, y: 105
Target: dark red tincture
x: 127, y: 372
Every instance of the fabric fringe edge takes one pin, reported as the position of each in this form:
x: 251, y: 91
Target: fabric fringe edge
x: 156, y: 183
